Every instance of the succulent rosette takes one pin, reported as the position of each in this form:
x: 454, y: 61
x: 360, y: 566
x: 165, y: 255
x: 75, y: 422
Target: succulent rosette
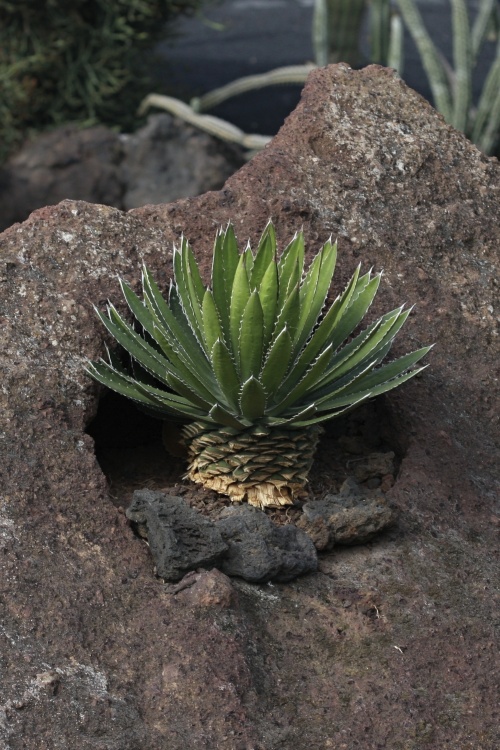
x: 255, y: 362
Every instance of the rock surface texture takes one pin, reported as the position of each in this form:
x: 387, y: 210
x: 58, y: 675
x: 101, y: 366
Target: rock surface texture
x: 390, y: 644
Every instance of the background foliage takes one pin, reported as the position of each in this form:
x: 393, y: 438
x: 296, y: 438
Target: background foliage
x: 76, y: 60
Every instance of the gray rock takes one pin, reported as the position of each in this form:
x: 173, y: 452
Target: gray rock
x: 260, y: 551
x: 168, y: 159
x: 318, y: 531
x: 180, y: 539
x: 244, y: 542
x: 162, y: 161
x: 353, y: 516
x: 68, y: 162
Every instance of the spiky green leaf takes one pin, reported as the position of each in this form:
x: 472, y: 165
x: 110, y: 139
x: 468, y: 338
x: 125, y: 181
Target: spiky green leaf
x: 239, y: 298
x: 159, y: 401
x: 249, y: 260
x: 353, y: 345
x: 313, y: 292
x: 330, y: 415
x: 376, y: 377
x: 175, y: 307
x: 290, y: 267
x: 297, y: 417
x: 219, y: 415
x: 225, y: 371
x: 288, y: 315
x: 196, y: 285
x: 186, y: 289
x: 252, y: 350
x: 138, y: 309
x: 277, y: 362
x: 153, y: 361
x: 351, y: 314
x: 183, y: 389
x: 252, y: 399
x: 341, y: 303
x: 387, y: 385
x: 266, y: 253
x: 174, y: 328
x: 286, y: 397
x: 212, y: 328
x: 224, y: 265
x: 251, y: 335
x: 135, y: 345
x: 327, y: 330
x: 268, y: 293
x: 173, y: 332
x: 341, y: 362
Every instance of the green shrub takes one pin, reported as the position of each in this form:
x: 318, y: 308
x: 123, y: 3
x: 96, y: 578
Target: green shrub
x: 76, y: 60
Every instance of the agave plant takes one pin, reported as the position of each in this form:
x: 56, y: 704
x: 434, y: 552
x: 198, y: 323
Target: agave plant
x: 254, y: 362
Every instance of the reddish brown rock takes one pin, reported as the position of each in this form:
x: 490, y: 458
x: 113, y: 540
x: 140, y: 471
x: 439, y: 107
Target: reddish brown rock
x: 373, y: 466
x: 307, y: 664
x: 209, y: 588
x: 353, y: 516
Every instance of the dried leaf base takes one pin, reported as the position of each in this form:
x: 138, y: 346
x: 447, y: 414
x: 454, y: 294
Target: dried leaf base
x: 266, y: 467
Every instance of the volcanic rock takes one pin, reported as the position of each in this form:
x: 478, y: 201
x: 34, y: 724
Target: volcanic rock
x: 207, y: 588
x: 260, y: 551
x: 353, y: 516
x: 161, y: 162
x: 389, y: 644
x: 168, y: 159
x: 373, y: 466
x: 180, y: 539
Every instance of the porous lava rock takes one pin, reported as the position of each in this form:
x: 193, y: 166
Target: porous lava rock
x: 390, y: 644
x: 168, y: 159
x: 206, y: 588
x: 373, y: 466
x: 180, y: 539
x: 352, y: 516
x: 67, y: 162
x: 244, y: 542
x: 259, y: 551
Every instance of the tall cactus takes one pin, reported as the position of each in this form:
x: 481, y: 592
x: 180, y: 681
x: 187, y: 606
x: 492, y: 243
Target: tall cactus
x: 380, y: 31
x: 335, y: 34
x: 452, y: 86
x: 386, y: 35
x: 336, y: 29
